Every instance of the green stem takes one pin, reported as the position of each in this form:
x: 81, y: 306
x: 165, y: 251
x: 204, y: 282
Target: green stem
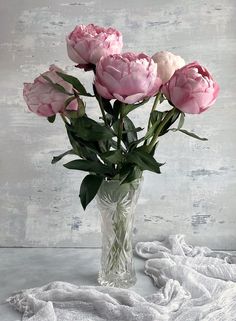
x: 156, y: 102
x: 119, y: 247
x: 64, y: 119
x: 102, y: 110
x: 98, y: 97
x: 120, y: 127
x: 160, y: 127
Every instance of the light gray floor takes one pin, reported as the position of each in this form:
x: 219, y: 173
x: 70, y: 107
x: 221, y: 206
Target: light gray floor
x: 22, y: 268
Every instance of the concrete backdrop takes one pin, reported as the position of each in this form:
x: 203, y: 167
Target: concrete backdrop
x: 195, y: 195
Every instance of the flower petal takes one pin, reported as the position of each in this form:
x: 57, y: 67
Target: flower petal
x: 102, y: 90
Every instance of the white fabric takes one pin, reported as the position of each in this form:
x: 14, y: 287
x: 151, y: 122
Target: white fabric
x: 193, y: 284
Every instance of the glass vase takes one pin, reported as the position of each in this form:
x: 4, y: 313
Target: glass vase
x: 117, y: 203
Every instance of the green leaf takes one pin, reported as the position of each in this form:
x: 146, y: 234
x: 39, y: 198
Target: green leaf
x: 59, y: 157
x: 113, y: 144
x: 85, y: 149
x: 73, y: 141
x: 115, y: 127
x: 148, y: 135
x: 103, y: 146
x: 105, y: 102
x: 181, y: 121
x: 51, y: 119
x: 134, y: 172
x: 170, y: 122
x: 156, y: 117
x: 88, y: 166
x: 124, y: 171
x: 151, y: 131
x: 131, y: 133
x: 90, y: 130
x: 130, y: 107
x: 107, y: 106
x: 134, y: 130
x: 144, y: 160
x: 75, y: 83
x: 184, y: 131
x: 114, y: 156
x: 162, y: 98
x: 152, y: 152
x: 56, y: 86
x: 129, y: 125
x: 116, y: 109
x: 145, y: 149
x: 60, y: 88
x: 81, y: 107
x: 109, y: 119
x: 72, y: 114
x: 81, y: 148
x: 89, y: 188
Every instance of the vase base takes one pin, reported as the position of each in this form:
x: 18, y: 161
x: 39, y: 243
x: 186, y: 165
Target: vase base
x: 118, y: 281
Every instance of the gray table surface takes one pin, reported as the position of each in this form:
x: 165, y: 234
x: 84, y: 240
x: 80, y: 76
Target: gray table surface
x: 22, y: 268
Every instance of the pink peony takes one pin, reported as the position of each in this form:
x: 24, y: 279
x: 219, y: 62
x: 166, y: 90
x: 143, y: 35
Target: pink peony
x: 191, y: 89
x: 43, y: 99
x: 87, y: 44
x: 167, y: 64
x: 128, y: 77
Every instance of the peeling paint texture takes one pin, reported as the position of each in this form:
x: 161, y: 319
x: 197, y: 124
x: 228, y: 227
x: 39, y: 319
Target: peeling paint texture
x: 195, y: 195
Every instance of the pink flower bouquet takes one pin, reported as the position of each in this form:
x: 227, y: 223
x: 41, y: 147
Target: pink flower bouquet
x: 111, y: 149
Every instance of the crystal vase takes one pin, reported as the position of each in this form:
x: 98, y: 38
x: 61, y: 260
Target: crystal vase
x: 117, y: 203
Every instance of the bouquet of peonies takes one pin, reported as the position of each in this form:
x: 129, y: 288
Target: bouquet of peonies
x: 110, y: 149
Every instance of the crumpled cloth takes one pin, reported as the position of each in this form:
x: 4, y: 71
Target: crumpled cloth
x: 193, y: 284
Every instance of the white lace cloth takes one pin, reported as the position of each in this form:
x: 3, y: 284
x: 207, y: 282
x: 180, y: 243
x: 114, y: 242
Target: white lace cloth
x: 193, y: 283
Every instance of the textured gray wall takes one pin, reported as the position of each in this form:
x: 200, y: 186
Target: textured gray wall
x: 195, y: 194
